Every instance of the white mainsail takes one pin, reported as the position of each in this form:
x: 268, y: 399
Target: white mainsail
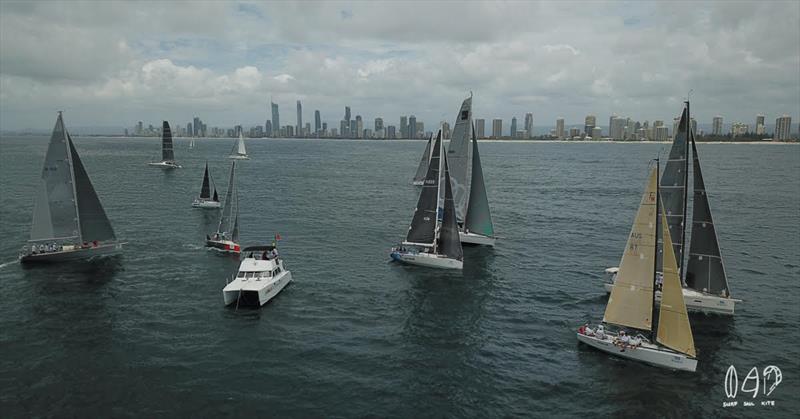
x: 459, y: 153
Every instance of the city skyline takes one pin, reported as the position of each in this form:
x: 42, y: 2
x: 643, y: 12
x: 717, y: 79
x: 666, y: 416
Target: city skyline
x: 175, y: 60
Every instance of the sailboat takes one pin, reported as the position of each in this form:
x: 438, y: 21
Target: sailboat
x: 226, y: 239
x: 69, y: 221
x: 239, y: 152
x: 469, y: 190
x: 433, y: 241
x: 422, y: 169
x: 206, y: 198
x: 167, y: 154
x: 704, y: 279
x: 191, y: 143
x: 667, y: 341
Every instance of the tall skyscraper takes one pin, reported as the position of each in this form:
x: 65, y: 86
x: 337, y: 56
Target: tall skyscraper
x: 359, y: 127
x: 403, y: 127
x: 528, y: 125
x: 391, y: 132
x: 716, y: 126
x: 317, y: 122
x: 597, y: 133
x: 560, y: 134
x: 412, y: 127
x: 513, y: 130
x: 276, y: 120
x: 588, y: 126
x: 783, y: 127
x: 347, y: 113
x: 497, y: 128
x: 352, y: 130
x: 299, y: 127
x: 268, y: 128
x: 378, y: 124
x: 616, y: 127
x: 760, y: 126
x: 480, y: 128
x: 197, y: 127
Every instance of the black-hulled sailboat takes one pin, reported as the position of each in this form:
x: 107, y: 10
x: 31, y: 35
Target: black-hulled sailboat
x: 226, y: 238
x: 207, y: 199
x: 422, y: 169
x: 705, y: 283
x: 167, y: 153
x: 433, y: 241
x: 69, y: 222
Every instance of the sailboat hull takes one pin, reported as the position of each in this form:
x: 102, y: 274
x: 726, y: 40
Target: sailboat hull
x: 225, y: 246
x: 646, y: 353
x: 696, y: 302
x: 86, y: 253
x: 206, y: 204
x: 472, y: 238
x: 238, y: 157
x: 165, y: 165
x: 427, y: 259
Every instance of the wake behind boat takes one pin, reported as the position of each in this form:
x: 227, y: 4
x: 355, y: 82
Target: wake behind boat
x: 430, y: 241
x: 167, y: 153
x: 260, y: 278
x: 206, y: 199
x: 69, y: 222
x: 239, y: 152
x: 226, y: 238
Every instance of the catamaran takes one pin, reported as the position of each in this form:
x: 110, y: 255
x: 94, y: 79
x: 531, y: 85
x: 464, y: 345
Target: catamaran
x: 69, y: 222
x: 239, y: 152
x: 469, y: 190
x: 167, y: 154
x: 670, y: 344
x: 422, y: 169
x: 433, y: 241
x: 260, y: 278
x: 206, y: 199
x: 705, y: 283
x: 226, y: 238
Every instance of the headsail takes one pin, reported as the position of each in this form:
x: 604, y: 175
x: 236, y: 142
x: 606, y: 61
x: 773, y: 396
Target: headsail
x: 705, y: 271
x: 166, y: 143
x: 229, y: 211
x: 91, y: 215
x: 205, y: 190
x: 55, y: 214
x: 673, y: 187
x: 674, y: 330
x: 478, y: 217
x: 449, y: 241
x: 631, y: 301
x: 423, y: 224
x: 238, y: 148
x: 458, y: 157
x: 422, y: 170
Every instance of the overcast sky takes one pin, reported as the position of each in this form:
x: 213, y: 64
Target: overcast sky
x: 112, y: 64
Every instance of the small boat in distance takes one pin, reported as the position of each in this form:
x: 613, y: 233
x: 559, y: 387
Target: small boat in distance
x: 670, y: 344
x: 69, y: 222
x: 422, y: 169
x: 239, y: 152
x: 226, y: 239
x: 191, y: 143
x: 431, y: 241
x: 167, y: 154
x: 206, y: 198
x: 260, y: 278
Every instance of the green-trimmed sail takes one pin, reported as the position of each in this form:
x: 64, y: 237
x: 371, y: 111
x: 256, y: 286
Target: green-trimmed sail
x: 479, y: 217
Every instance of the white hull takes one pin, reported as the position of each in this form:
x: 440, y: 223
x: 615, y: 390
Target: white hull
x: 165, y: 165
x: 646, y: 352
x: 472, y: 238
x: 101, y: 250
x: 205, y: 204
x: 428, y: 260
x: 239, y: 157
x: 697, y: 301
x: 255, y: 291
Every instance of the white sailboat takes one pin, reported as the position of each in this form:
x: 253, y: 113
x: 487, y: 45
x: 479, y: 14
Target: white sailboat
x: 239, y: 152
x: 431, y: 241
x: 705, y: 282
x: 167, y: 153
x: 469, y: 190
x: 69, y: 222
x: 670, y: 344
x: 260, y: 278
x: 422, y: 169
x: 226, y: 238
x: 191, y: 143
x: 206, y: 198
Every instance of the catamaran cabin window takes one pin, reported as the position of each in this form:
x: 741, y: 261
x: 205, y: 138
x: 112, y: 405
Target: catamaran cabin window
x: 251, y: 274
x: 240, y: 275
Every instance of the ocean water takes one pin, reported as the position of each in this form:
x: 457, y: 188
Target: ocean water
x: 354, y: 335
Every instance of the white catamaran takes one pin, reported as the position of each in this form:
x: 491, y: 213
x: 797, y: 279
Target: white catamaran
x: 206, y: 198
x: 260, y: 278
x: 226, y: 238
x: 167, y: 154
x: 705, y: 283
x: 469, y: 190
x: 422, y: 169
x: 670, y: 344
x: 433, y: 241
x: 239, y: 152
x: 69, y: 221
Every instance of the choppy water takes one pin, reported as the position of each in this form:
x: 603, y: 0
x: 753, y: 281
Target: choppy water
x: 354, y: 335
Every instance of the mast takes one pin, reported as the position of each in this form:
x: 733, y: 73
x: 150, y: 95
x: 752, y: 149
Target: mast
x: 655, y: 259
x: 437, y: 226
x: 685, y: 189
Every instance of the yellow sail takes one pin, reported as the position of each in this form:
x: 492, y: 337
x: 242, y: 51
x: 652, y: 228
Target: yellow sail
x: 631, y: 301
x: 674, y: 330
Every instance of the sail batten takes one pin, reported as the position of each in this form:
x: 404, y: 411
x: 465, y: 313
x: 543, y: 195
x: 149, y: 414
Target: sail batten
x: 478, y: 216
x: 459, y: 152
x: 422, y: 169
x: 423, y: 224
